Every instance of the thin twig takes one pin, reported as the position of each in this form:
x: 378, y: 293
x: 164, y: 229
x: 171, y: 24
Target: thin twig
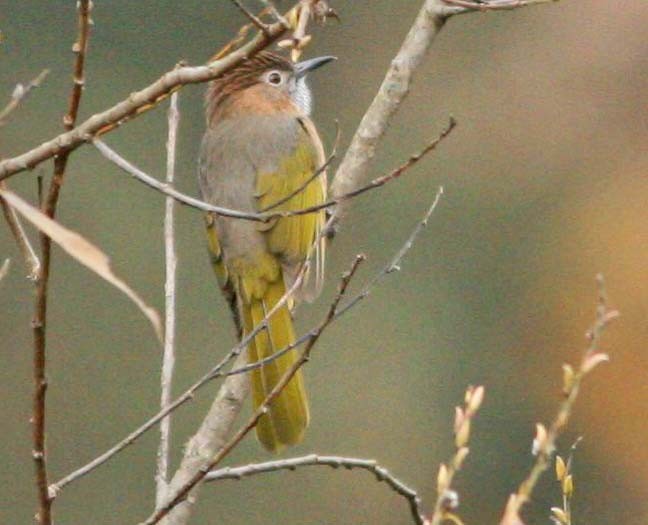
x: 256, y: 21
x: 19, y: 94
x: 265, y: 216
x: 335, y: 462
x: 544, y: 443
x: 137, y: 103
x: 495, y: 5
x: 304, y: 356
x: 44, y: 516
x: 24, y: 245
x: 168, y: 359
x: 272, y: 9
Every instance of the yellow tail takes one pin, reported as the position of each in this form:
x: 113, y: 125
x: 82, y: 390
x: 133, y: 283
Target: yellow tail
x: 287, y: 419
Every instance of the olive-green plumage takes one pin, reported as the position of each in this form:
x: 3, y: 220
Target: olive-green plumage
x: 260, y: 148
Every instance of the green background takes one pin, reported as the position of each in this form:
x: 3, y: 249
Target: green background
x: 545, y: 185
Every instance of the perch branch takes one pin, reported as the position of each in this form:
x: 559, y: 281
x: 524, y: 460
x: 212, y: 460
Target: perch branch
x: 335, y: 462
x: 544, y: 443
x: 264, y: 216
x: 168, y: 358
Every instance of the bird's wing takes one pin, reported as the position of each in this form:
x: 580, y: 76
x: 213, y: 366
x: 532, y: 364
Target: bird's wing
x: 296, y: 185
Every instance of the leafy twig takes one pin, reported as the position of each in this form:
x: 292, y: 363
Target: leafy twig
x: 544, y: 443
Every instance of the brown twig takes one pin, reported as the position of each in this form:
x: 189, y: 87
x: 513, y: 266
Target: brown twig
x: 137, y: 103
x: 304, y: 356
x: 544, y: 443
x: 44, y: 515
x: 335, y: 462
x: 168, y: 356
x: 19, y: 94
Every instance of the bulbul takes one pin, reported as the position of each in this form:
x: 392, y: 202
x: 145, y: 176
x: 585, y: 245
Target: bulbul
x: 261, y: 151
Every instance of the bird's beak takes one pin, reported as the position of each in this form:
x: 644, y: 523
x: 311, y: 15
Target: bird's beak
x: 302, y: 68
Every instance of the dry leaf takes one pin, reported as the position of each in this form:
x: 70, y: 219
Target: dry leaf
x: 82, y: 250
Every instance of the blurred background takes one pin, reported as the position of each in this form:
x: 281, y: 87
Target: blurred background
x: 545, y: 185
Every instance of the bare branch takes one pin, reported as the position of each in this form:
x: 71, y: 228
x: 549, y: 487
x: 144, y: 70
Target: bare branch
x: 168, y: 358
x: 19, y: 94
x: 267, y: 215
x: 544, y: 443
x: 335, y: 462
x: 495, y: 5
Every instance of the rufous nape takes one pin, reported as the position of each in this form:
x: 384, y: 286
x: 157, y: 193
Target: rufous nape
x: 261, y: 151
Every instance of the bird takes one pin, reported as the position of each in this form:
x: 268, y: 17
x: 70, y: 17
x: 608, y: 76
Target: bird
x: 261, y: 151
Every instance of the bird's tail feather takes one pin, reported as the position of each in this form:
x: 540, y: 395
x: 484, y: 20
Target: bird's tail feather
x: 285, y: 422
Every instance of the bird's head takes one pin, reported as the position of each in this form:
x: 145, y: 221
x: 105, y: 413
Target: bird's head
x: 265, y: 83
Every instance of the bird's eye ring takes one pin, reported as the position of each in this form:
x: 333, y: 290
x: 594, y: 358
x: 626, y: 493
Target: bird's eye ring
x: 275, y: 78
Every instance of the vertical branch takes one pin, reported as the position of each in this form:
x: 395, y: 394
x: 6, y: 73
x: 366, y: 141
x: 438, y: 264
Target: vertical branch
x: 44, y: 516
x: 168, y: 359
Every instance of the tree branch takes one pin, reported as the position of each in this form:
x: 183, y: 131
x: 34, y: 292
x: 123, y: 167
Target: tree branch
x: 267, y: 215
x: 335, y: 462
x: 168, y: 358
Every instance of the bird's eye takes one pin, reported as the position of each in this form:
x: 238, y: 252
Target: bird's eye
x: 275, y: 78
